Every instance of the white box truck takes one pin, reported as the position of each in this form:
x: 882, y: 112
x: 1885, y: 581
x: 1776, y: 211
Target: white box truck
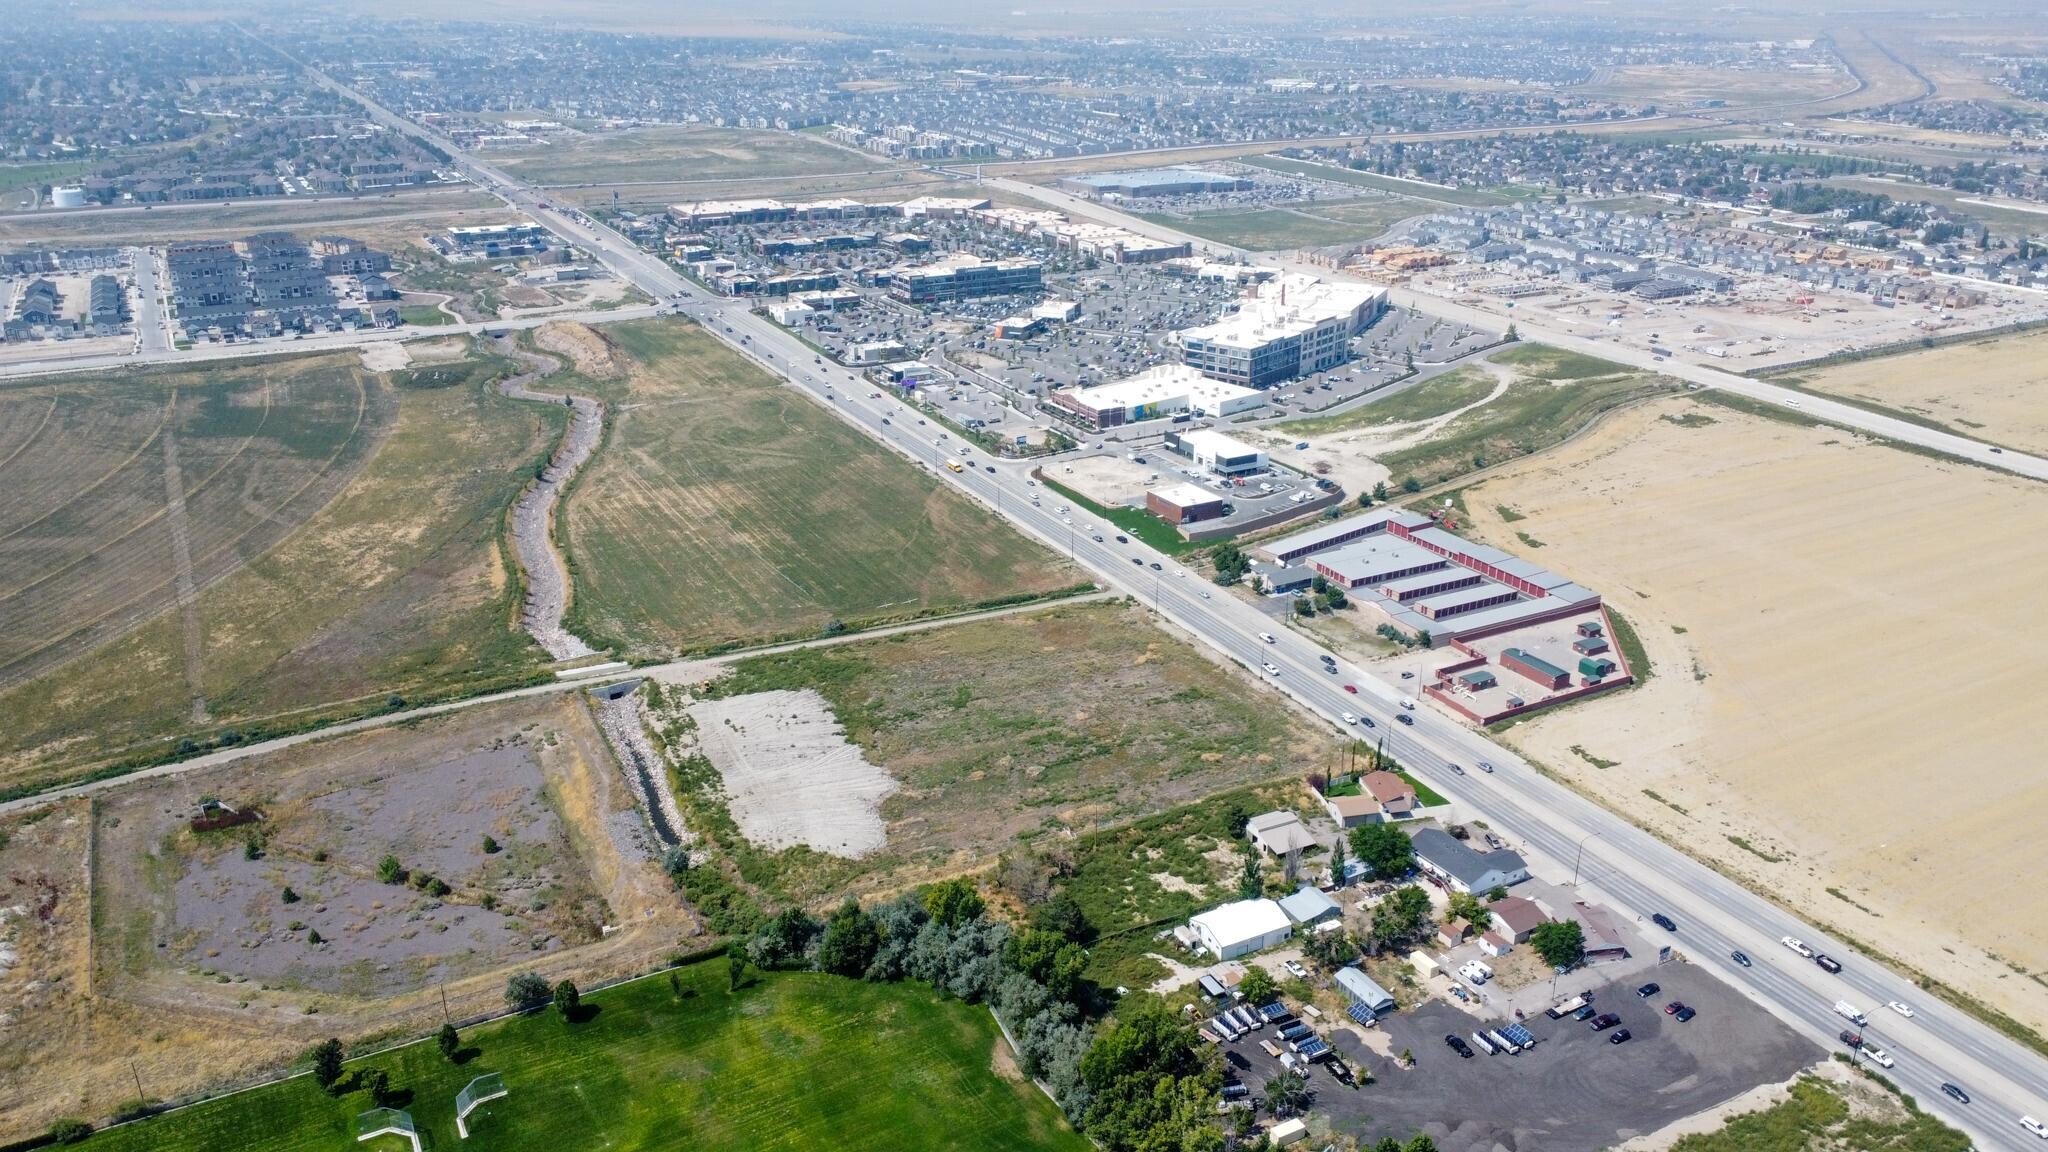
x: 1847, y: 1011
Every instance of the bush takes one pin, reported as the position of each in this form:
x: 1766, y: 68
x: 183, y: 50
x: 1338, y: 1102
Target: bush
x: 390, y: 871
x: 568, y: 1001
x: 449, y: 1041
x: 526, y: 991
x: 69, y: 1130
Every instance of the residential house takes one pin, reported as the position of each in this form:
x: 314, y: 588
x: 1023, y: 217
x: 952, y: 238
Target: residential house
x: 1450, y: 862
x: 1516, y: 918
x: 1279, y: 833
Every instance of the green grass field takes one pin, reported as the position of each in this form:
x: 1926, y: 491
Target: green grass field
x: 726, y: 508
x: 392, y: 583
x: 793, y: 1061
x: 1466, y: 197
x: 677, y: 153
x: 1433, y: 397
x: 1555, y: 394
x: 1303, y: 226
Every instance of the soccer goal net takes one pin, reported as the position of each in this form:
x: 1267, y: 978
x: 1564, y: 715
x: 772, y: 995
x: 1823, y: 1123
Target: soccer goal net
x: 482, y: 1090
x: 387, y: 1122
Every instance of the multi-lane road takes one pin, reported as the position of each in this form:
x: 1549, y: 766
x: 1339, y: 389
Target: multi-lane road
x: 1631, y: 869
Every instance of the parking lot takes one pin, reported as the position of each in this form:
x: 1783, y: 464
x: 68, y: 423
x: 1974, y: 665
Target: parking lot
x: 1122, y: 477
x: 1575, y: 1089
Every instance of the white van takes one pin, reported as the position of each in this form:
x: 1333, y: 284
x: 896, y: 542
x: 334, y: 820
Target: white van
x: 1848, y: 1011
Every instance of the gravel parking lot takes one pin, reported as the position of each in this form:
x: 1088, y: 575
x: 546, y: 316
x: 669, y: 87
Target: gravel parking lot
x: 1574, y: 1090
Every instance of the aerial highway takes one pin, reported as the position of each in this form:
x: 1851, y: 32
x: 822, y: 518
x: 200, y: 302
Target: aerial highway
x: 1629, y: 868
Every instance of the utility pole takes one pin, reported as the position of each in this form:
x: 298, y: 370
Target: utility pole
x: 137, y: 1073
x: 1581, y: 855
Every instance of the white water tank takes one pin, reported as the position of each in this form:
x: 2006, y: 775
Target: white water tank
x: 67, y: 197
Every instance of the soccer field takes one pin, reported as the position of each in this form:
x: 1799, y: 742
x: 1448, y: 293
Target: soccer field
x: 795, y: 1061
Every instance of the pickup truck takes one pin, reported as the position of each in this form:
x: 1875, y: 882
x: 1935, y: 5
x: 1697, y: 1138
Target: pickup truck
x: 1564, y: 1008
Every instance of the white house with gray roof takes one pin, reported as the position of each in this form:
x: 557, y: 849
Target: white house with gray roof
x: 1452, y: 861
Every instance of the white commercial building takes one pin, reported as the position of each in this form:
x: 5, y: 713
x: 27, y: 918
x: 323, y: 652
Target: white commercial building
x: 1166, y: 390
x: 1242, y: 928
x: 1290, y: 326
x: 1223, y: 455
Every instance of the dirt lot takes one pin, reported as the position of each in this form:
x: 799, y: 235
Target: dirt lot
x: 1828, y: 627
x: 791, y: 774
x: 1033, y: 728
x: 195, y: 972
x: 1994, y: 389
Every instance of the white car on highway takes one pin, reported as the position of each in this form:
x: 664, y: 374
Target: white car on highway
x: 1796, y: 946
x: 1879, y: 1057
x: 2034, y: 1126
x: 1349, y: 718
x: 1900, y: 1008
x: 1268, y: 637
x: 1271, y: 669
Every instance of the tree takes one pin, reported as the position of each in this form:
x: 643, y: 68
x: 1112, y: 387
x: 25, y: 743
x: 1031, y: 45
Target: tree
x: 1252, y: 882
x: 1388, y: 1143
x: 1512, y: 335
x: 1285, y: 1094
x: 1062, y: 914
x: 1230, y: 562
x: 953, y: 902
x: 327, y: 1057
x: 1384, y: 848
x: 1304, y: 608
x: 784, y: 941
x: 449, y: 1041
x: 491, y: 847
x: 1337, y: 860
x: 313, y: 937
x: 1421, y: 1143
x: 1330, y: 950
x: 1401, y: 917
x: 1048, y: 958
x: 1561, y: 943
x: 1379, y: 491
x: 390, y: 871
x: 568, y: 1001
x: 377, y: 1082
x: 1496, y: 893
x: 1411, y: 485
x: 1467, y: 907
x: 288, y: 896
x: 849, y: 942
x: 1365, y: 499
x: 1337, y: 598
x: 526, y: 991
x: 1258, y: 986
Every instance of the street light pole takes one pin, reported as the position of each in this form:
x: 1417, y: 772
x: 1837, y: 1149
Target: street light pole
x: 1581, y: 855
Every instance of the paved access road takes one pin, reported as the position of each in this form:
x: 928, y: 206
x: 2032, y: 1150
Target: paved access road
x: 1633, y: 870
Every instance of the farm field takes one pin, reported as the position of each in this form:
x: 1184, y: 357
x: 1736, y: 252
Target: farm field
x: 308, y: 600
x: 674, y: 153
x: 1993, y: 389
x: 726, y: 508
x: 980, y: 726
x: 792, y: 1061
x: 86, y: 517
x: 182, y: 954
x: 1815, y: 663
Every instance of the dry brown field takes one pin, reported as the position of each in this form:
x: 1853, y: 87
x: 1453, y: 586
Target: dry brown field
x: 1994, y: 389
x: 151, y: 952
x: 1848, y: 643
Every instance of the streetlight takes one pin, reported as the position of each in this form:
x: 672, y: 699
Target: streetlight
x: 1581, y: 855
